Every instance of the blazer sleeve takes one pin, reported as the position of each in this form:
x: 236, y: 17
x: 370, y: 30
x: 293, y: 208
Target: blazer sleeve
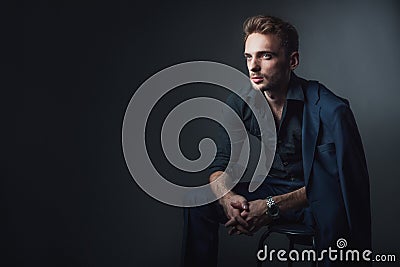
x: 353, y: 176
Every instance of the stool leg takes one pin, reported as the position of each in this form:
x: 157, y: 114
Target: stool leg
x: 291, y: 247
x: 314, y: 263
x: 264, y: 236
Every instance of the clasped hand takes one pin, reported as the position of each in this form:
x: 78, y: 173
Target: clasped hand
x: 245, y: 217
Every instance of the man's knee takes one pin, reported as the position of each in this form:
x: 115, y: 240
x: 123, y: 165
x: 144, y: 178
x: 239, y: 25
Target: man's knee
x: 211, y: 213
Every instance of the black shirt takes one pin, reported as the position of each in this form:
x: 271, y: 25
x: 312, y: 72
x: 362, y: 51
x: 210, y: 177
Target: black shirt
x: 288, y: 162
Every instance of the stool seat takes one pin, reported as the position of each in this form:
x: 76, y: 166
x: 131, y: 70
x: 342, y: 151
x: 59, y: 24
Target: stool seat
x: 292, y: 229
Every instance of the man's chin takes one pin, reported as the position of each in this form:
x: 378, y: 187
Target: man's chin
x: 261, y: 87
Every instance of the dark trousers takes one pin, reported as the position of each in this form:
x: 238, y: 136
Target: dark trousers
x: 200, y: 244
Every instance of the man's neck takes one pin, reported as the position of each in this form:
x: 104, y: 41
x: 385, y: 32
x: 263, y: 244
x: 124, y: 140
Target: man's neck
x: 277, y: 97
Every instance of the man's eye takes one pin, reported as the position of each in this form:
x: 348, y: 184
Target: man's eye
x: 247, y: 57
x: 267, y: 56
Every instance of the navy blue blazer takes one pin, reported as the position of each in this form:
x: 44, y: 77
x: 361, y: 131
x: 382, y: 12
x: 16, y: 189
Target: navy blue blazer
x: 335, y: 169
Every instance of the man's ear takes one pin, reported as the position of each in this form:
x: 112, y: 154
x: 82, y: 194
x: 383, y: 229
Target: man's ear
x: 294, y: 60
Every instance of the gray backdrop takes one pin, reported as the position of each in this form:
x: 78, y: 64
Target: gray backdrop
x: 67, y: 196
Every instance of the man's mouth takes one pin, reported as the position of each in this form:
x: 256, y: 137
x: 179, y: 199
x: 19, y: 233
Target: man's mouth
x: 257, y: 79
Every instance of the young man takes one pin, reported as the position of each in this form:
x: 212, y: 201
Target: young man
x: 318, y: 176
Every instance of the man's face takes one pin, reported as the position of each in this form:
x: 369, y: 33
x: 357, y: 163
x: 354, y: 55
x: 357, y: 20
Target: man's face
x: 269, y: 67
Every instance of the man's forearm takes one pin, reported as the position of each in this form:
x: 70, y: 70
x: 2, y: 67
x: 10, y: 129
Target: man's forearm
x: 219, y: 188
x: 293, y: 200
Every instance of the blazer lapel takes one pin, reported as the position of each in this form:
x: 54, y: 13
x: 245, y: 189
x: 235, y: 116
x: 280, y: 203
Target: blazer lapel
x: 310, y: 127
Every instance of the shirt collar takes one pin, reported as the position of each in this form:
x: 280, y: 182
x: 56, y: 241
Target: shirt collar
x: 295, y: 91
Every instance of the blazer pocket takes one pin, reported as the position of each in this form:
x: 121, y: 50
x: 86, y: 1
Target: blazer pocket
x: 326, y: 159
x: 326, y: 147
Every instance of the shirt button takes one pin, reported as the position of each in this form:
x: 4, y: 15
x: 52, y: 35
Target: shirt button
x: 279, y: 141
x: 285, y: 163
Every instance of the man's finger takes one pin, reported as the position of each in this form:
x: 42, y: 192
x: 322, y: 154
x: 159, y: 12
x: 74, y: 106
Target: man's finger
x: 241, y: 221
x: 231, y: 222
x: 244, y: 214
x: 233, y: 231
x: 237, y: 220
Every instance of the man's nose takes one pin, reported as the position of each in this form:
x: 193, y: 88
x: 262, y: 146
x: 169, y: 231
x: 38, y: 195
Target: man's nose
x: 254, y: 65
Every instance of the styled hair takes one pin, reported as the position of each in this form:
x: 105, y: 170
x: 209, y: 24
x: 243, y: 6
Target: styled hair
x: 285, y: 31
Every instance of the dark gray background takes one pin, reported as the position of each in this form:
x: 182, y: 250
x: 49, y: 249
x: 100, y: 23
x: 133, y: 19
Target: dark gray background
x: 67, y: 198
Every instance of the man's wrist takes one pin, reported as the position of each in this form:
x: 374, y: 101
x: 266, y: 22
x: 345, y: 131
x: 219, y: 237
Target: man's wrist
x: 273, y: 210
x: 226, y: 197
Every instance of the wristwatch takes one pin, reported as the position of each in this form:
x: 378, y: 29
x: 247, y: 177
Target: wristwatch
x: 273, y: 209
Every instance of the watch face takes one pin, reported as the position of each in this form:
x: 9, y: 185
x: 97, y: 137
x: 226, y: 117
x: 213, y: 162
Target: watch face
x: 273, y: 210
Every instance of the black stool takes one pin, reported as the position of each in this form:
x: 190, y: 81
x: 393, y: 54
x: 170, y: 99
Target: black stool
x: 296, y: 233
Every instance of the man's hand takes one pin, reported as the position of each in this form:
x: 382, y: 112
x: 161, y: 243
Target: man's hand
x: 233, y: 205
x: 255, y: 216
x: 232, y: 213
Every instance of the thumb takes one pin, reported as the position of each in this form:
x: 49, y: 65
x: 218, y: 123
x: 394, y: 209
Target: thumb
x: 237, y: 205
x: 243, y: 205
